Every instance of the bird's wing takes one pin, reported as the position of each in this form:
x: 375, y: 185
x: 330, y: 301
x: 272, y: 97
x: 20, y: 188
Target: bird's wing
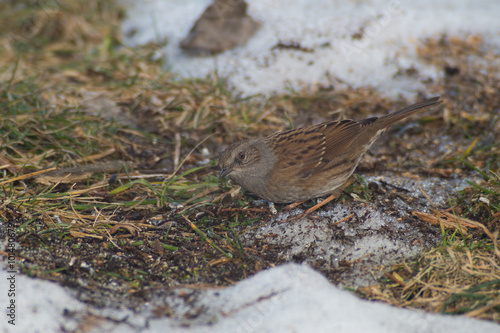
x: 303, y: 152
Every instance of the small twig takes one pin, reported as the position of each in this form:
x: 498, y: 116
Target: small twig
x: 96, y: 157
x: 344, y: 219
x: 72, y: 207
x: 177, y: 153
x: 110, y: 238
x: 29, y: 175
x: 425, y: 194
x: 395, y: 279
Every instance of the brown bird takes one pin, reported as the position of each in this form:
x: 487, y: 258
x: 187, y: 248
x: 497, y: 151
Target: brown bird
x: 309, y: 162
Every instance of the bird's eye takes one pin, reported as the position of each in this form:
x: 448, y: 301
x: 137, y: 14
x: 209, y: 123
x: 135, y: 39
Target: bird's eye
x: 241, y: 156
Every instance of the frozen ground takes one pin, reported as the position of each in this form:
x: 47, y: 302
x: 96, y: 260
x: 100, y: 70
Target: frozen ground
x: 344, y: 43
x: 289, y: 298
x: 366, y: 234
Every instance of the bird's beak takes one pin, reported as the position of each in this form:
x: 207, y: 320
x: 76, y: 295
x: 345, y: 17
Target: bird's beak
x: 224, y: 172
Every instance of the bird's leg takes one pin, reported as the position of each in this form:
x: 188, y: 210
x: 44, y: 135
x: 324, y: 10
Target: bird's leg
x: 336, y: 193
x: 272, y: 209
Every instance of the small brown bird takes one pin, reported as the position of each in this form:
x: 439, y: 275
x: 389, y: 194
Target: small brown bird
x: 309, y: 162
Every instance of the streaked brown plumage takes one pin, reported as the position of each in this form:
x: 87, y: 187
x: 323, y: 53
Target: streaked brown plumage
x: 308, y: 162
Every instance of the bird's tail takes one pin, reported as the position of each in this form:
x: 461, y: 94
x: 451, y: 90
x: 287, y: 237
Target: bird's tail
x: 408, y: 111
